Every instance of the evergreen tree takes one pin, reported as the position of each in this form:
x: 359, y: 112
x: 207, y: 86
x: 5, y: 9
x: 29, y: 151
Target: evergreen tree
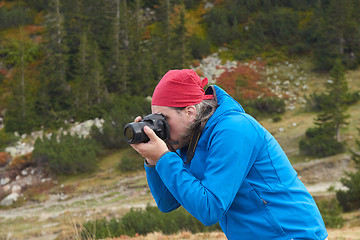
x: 160, y: 39
x: 334, y: 110
x: 179, y: 41
x: 350, y: 199
x: 54, y: 93
x: 117, y: 73
x: 20, y: 115
x: 324, y: 139
x: 140, y: 62
x: 89, y: 89
x: 335, y: 34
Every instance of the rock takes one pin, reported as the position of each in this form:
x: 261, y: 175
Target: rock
x: 16, y: 189
x: 9, y: 199
x: 4, y: 181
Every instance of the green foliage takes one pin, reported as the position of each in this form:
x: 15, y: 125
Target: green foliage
x: 124, y: 110
x: 15, y: 16
x: 199, y: 47
x: 131, y: 44
x: 6, y: 139
x: 350, y: 198
x: 320, y: 142
x: 270, y: 106
x: 66, y: 154
x: 324, y: 140
x: 131, y: 163
x: 141, y: 222
x: 331, y: 213
x: 316, y: 102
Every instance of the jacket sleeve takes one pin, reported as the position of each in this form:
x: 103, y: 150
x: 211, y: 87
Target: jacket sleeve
x: 230, y: 156
x: 162, y: 196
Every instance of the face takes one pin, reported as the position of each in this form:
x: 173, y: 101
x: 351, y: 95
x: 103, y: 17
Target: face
x: 179, y: 123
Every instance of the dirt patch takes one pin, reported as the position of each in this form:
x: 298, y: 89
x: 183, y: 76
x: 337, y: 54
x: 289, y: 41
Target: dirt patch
x: 330, y: 169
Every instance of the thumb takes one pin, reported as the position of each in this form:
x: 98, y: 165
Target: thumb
x: 150, y: 133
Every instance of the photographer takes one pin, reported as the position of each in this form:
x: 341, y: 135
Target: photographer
x: 222, y: 166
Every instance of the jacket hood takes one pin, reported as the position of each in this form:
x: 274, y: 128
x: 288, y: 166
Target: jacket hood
x: 225, y: 102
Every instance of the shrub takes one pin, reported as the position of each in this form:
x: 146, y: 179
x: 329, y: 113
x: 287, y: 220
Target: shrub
x: 131, y: 163
x: 142, y: 222
x: 21, y: 162
x: 5, y: 158
x: 66, y: 154
x: 320, y: 142
x: 265, y: 107
x: 331, y: 213
x: 7, y: 139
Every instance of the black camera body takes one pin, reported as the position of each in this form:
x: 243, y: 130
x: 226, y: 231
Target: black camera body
x: 134, y: 132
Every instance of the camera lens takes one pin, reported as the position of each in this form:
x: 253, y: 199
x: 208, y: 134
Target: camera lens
x: 133, y: 132
x: 129, y: 134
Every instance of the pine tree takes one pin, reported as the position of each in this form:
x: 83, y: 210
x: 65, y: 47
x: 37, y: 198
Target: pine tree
x: 350, y: 199
x: 179, y: 40
x: 117, y: 73
x: 20, y: 114
x: 54, y: 95
x: 324, y: 139
x: 89, y: 88
x: 334, y: 110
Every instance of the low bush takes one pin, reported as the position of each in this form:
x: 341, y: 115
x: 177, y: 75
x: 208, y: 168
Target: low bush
x: 270, y: 106
x: 331, y: 212
x: 142, y: 222
x: 320, y: 142
x: 131, y: 163
x: 21, y: 162
x: 7, y: 139
x: 66, y: 154
x: 5, y: 158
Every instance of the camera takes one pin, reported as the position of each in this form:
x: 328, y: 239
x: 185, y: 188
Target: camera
x: 134, y: 132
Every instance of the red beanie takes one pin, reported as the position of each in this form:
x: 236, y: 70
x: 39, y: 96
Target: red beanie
x: 180, y: 88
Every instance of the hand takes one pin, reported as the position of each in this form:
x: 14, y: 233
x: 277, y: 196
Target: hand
x: 153, y: 149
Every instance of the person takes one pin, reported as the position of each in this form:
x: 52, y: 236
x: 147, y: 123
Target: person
x: 222, y: 166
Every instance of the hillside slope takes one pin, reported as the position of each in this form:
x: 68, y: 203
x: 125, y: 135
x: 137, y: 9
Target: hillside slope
x: 59, y: 211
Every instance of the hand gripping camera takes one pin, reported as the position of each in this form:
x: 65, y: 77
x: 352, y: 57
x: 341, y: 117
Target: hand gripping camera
x: 134, y: 132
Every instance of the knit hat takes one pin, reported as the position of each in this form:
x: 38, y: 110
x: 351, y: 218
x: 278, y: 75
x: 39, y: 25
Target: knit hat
x: 180, y: 88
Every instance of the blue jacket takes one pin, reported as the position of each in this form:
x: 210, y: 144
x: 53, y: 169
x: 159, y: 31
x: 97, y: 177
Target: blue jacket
x: 239, y: 177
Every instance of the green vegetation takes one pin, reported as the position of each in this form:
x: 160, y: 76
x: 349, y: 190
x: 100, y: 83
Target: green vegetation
x: 66, y: 154
x: 350, y: 199
x: 60, y: 64
x: 331, y: 213
x: 324, y: 139
x: 141, y: 222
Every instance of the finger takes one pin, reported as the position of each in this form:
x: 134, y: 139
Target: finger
x: 137, y: 119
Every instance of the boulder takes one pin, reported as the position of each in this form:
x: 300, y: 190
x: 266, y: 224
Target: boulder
x: 9, y: 199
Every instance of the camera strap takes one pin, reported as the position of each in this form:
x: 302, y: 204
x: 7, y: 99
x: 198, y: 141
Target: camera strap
x: 193, y: 142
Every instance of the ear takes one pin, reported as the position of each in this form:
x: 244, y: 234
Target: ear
x: 190, y: 112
